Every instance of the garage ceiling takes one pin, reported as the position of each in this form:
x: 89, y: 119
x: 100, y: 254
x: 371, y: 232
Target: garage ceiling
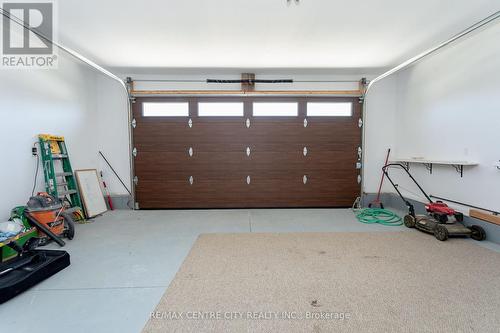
x: 261, y: 33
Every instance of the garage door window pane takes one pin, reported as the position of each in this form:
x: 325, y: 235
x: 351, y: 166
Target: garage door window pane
x: 165, y: 109
x: 276, y: 109
x: 315, y: 109
x: 220, y: 109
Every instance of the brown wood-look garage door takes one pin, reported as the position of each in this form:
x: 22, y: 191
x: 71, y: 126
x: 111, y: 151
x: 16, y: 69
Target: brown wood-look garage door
x: 246, y: 161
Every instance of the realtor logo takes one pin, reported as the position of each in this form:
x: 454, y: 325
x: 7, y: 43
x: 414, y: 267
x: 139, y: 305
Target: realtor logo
x: 23, y: 48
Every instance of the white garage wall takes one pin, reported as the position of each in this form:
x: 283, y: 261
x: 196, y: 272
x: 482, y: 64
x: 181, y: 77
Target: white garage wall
x: 60, y: 101
x: 112, y: 134
x: 448, y: 109
x: 380, y: 115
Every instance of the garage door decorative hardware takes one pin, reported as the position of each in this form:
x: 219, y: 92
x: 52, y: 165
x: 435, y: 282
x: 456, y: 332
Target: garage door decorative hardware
x: 134, y: 123
x: 136, y: 180
x: 304, y: 151
x: 360, y: 123
x: 359, y: 179
x: 190, y: 151
x: 190, y: 122
x: 248, y: 151
x: 134, y: 152
x: 191, y: 180
x: 248, y: 180
x: 304, y: 179
x: 248, y: 122
x: 305, y: 122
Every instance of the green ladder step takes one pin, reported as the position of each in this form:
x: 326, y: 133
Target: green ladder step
x: 65, y: 193
x: 59, y: 156
x: 64, y: 174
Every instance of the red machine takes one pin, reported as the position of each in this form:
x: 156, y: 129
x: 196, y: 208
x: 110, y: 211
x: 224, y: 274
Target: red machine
x: 440, y: 211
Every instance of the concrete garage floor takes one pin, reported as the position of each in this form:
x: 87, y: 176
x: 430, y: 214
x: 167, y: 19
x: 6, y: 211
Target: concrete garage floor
x: 124, y: 261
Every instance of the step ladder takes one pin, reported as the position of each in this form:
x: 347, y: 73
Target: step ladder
x: 60, y: 181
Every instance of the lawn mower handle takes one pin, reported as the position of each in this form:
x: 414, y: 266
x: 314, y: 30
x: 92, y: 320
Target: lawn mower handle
x: 411, y: 208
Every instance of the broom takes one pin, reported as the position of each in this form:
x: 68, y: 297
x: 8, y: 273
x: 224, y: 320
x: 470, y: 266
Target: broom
x: 106, y: 191
x: 377, y: 202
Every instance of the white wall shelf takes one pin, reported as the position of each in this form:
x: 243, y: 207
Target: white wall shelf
x: 458, y: 165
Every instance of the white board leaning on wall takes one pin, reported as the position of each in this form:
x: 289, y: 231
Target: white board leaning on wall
x: 90, y: 192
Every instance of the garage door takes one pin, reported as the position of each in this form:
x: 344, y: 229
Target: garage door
x: 246, y: 152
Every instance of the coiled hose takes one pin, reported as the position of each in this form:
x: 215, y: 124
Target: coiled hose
x: 375, y: 215
x: 378, y: 215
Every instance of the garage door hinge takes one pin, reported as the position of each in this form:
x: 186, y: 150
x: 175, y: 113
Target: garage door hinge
x: 132, y: 99
x: 133, y: 123
x: 359, y: 179
x: 358, y: 165
x: 361, y: 100
x: 134, y: 152
x: 360, y: 122
x: 360, y: 153
x: 136, y: 180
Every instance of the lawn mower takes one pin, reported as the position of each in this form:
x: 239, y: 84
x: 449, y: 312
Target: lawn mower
x: 441, y: 220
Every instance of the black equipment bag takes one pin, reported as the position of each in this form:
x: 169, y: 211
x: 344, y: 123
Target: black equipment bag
x: 23, y: 272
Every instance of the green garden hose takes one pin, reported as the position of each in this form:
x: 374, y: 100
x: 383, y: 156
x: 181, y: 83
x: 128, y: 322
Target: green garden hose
x: 378, y: 215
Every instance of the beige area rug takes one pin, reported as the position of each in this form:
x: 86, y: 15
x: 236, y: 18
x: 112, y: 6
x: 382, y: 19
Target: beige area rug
x: 332, y: 282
